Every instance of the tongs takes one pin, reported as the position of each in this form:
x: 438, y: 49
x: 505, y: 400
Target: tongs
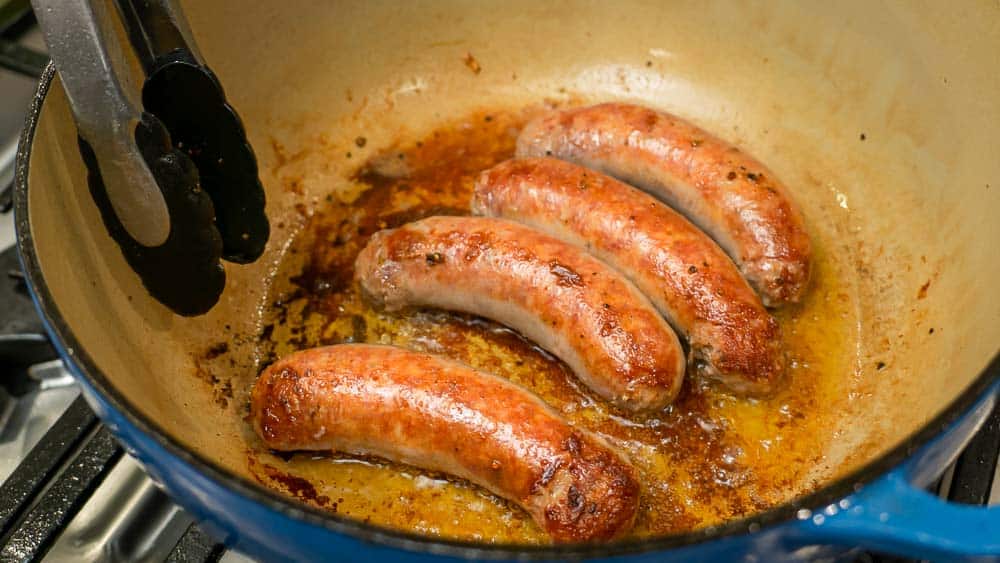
x: 170, y: 167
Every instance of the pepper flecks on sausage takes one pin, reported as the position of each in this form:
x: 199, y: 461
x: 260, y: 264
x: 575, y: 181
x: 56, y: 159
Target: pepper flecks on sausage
x: 732, y: 338
x: 441, y: 415
x: 726, y: 192
x: 556, y: 294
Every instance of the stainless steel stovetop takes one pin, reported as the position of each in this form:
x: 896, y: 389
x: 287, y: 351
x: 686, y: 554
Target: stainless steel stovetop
x: 67, y: 490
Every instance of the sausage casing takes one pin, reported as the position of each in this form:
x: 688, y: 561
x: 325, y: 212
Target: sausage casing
x: 554, y: 293
x: 441, y: 415
x: 726, y: 192
x: 731, y: 336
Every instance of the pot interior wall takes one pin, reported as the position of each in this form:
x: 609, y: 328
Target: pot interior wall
x: 879, y: 118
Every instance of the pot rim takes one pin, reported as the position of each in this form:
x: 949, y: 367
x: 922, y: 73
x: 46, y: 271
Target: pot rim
x: 760, y: 522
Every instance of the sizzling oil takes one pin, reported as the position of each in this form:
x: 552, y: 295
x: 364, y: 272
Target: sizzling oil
x: 707, y: 458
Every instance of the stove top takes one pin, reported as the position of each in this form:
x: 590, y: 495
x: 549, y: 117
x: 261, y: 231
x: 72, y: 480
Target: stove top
x: 68, y: 492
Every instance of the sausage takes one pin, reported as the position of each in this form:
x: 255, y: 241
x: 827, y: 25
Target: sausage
x: 729, y: 194
x: 731, y: 336
x: 565, y: 300
x: 440, y: 415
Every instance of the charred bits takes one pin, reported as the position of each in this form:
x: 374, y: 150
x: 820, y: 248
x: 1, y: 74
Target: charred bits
x: 472, y: 63
x: 922, y: 293
x: 565, y: 276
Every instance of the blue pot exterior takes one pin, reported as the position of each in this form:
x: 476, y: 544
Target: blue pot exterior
x: 895, y: 514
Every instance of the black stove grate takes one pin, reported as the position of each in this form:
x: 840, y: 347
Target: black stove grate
x: 19, y: 491
x: 15, y: 19
x: 56, y: 479
x: 39, y: 527
x: 196, y: 545
x: 975, y: 469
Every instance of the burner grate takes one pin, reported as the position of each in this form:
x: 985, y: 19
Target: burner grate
x: 195, y: 545
x: 55, y: 481
x: 62, y: 499
x: 43, y: 463
x: 976, y: 477
x: 21, y: 63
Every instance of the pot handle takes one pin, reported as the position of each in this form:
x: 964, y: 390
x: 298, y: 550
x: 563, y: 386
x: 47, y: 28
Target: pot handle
x: 894, y: 516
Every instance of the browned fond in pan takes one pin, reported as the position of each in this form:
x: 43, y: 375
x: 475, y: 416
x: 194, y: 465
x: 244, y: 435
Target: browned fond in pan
x: 708, y: 457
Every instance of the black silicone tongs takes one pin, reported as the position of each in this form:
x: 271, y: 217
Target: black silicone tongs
x: 170, y: 167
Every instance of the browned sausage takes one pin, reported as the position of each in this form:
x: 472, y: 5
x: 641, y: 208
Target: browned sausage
x: 731, y: 336
x: 441, y: 415
x: 568, y: 302
x: 726, y: 192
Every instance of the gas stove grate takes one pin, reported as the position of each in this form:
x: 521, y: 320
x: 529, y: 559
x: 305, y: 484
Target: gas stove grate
x: 976, y: 476
x: 57, y: 478
x: 58, y: 503
x: 43, y: 463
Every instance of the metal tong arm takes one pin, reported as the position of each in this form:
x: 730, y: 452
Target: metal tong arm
x: 103, y: 92
x: 169, y: 165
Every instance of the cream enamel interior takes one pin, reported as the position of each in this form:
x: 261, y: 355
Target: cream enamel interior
x: 795, y: 84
